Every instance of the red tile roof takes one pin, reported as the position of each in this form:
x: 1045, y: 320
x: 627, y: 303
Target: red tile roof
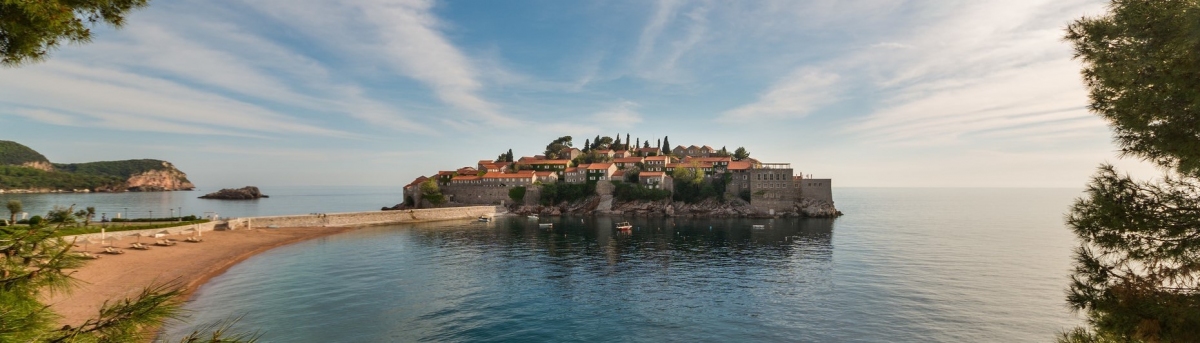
x: 418, y: 180
x: 599, y: 166
x: 494, y: 175
x: 657, y: 158
x: 544, y: 173
x: 646, y: 174
x: 627, y: 160
x: 739, y: 165
x: 465, y: 177
x: 562, y: 162
x: 618, y: 173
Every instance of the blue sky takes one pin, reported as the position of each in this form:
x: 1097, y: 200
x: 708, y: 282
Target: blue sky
x: 373, y: 92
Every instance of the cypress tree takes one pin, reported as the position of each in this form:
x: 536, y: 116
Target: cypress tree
x: 666, y: 147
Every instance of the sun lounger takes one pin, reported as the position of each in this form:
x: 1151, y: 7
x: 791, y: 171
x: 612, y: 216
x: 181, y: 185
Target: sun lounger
x: 139, y: 246
x: 88, y: 255
x: 164, y: 242
x: 114, y: 251
x: 194, y: 239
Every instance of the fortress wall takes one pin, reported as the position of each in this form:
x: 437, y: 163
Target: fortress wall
x: 817, y: 189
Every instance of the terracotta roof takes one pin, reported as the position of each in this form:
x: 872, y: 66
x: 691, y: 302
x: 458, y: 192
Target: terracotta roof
x: 466, y: 177
x: 418, y: 180
x: 563, y: 162
x: 707, y: 147
x: 657, y: 158
x: 689, y: 164
x: 599, y: 166
x: 649, y: 149
x: 739, y: 165
x: 445, y: 173
x: 495, y: 175
x: 628, y: 160
x: 525, y: 172
x: 618, y: 173
x: 709, y: 159
x: 680, y: 147
x: 466, y: 170
x: 652, y: 174
x: 583, y: 166
x: 571, y: 169
x: 544, y: 173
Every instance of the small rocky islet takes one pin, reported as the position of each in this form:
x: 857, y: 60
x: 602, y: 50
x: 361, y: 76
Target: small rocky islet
x: 244, y: 193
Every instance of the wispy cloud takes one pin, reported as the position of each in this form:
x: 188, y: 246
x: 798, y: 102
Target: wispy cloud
x: 794, y: 96
x: 622, y: 115
x: 659, y: 49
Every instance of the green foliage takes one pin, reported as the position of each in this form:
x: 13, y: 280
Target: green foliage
x: 1140, y: 63
x: 14, y: 177
x: 14, y: 207
x: 634, y: 191
x: 1136, y: 275
x: 556, y: 193
x: 29, y: 30
x: 556, y: 147
x: 431, y: 192
x: 13, y: 153
x: 516, y: 193
x: 61, y: 216
x: 740, y: 154
x: 591, y: 157
x: 689, y: 184
x: 745, y: 195
x: 35, y: 221
x: 120, y: 169
x: 35, y: 261
x: 147, y: 220
x: 666, y: 146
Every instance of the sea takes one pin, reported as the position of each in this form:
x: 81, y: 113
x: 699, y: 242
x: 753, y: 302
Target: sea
x: 902, y: 265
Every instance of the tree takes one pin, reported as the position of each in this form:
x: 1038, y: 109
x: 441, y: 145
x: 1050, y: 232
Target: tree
x: 61, y: 216
x: 34, y: 262
x: 626, y: 146
x: 596, y: 143
x: 666, y: 146
x: 647, y: 144
x: 587, y: 145
x: 740, y: 154
x: 14, y: 207
x: 509, y: 156
x: 431, y: 192
x: 1135, y: 274
x: 29, y: 30
x: 616, y: 145
x: 517, y: 194
x: 556, y: 147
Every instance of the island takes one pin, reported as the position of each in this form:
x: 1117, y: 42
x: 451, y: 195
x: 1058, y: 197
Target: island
x: 244, y: 193
x: 606, y: 176
x: 24, y: 170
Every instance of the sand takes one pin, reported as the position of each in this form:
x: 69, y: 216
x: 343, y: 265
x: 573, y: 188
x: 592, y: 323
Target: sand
x: 113, y: 277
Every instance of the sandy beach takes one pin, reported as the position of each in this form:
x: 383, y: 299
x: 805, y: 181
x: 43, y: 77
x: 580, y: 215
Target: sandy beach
x: 114, y: 277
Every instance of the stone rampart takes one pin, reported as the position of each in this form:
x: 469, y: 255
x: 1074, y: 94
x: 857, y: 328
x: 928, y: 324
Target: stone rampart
x: 362, y: 218
x: 312, y: 220
x: 816, y: 189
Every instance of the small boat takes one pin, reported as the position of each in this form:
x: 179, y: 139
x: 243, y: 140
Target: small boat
x: 533, y: 216
x: 759, y: 226
x: 624, y: 226
x: 485, y: 219
x: 546, y: 225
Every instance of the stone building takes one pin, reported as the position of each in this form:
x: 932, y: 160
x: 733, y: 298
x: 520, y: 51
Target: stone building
x: 772, y: 187
x: 656, y: 180
x: 627, y: 162
x: 575, y: 175
x: 600, y: 171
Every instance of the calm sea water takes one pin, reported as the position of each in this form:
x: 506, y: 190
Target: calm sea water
x: 282, y: 201
x: 907, y: 265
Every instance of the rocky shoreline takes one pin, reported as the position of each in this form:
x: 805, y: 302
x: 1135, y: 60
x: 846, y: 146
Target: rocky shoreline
x: 244, y: 193
x: 737, y: 208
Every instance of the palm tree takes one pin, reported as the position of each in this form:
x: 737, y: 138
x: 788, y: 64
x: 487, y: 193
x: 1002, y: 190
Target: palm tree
x: 14, y: 206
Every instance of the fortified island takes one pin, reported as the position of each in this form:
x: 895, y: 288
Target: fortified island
x: 609, y: 177
x: 24, y: 170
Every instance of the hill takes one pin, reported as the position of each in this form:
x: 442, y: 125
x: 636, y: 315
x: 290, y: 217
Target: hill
x: 23, y: 169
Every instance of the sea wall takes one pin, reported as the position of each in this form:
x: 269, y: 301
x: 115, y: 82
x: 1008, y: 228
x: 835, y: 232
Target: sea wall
x: 312, y: 220
x: 816, y: 189
x: 361, y: 218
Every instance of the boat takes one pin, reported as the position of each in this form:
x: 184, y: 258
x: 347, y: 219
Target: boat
x: 533, y: 216
x: 759, y: 226
x: 485, y: 219
x: 546, y: 225
x: 624, y: 226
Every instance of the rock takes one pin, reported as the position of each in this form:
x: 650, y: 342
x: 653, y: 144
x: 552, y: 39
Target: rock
x: 244, y: 193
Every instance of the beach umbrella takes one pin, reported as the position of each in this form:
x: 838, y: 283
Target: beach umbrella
x: 165, y: 233
x: 139, y: 236
x: 109, y: 240
x: 85, y: 242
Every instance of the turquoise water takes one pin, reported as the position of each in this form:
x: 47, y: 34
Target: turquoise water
x: 911, y: 265
x: 283, y: 201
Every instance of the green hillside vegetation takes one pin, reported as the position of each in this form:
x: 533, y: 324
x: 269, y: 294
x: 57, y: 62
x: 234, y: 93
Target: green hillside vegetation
x: 13, y: 153
x: 14, y: 177
x: 121, y: 169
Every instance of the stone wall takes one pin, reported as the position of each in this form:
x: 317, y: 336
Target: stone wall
x: 476, y: 194
x: 364, y: 218
x: 310, y: 220
x: 816, y: 189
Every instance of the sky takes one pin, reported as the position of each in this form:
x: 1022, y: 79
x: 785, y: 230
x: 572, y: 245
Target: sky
x: 980, y: 93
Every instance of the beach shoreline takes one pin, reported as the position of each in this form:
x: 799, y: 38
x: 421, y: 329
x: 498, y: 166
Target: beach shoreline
x: 189, y: 265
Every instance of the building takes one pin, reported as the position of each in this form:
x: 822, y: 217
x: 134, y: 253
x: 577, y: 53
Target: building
x: 600, y: 171
x: 575, y: 175
x: 656, y: 163
x: 772, y: 187
x: 546, y: 176
x: 556, y: 166
x: 627, y: 162
x: 656, y: 180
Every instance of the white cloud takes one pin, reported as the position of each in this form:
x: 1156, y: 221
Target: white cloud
x: 622, y: 115
x: 801, y: 92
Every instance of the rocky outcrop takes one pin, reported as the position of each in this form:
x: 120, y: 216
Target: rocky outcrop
x: 39, y: 165
x: 735, y: 208
x: 244, y: 193
x: 169, y: 179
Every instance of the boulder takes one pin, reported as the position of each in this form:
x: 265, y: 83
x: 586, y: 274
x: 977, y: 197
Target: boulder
x: 244, y: 193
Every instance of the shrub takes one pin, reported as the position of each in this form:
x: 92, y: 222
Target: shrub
x: 517, y: 194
